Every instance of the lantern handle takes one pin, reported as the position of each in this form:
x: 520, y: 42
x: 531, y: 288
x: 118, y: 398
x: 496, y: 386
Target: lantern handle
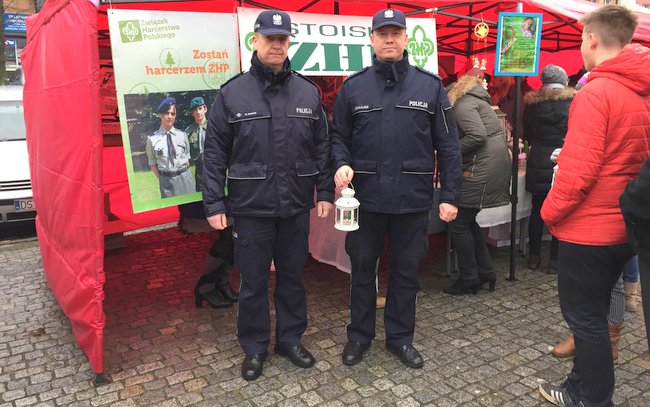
x: 350, y: 185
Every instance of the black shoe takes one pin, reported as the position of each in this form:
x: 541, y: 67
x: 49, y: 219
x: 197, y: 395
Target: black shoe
x: 211, y: 296
x: 297, y: 354
x: 227, y: 292
x: 353, y: 352
x: 462, y: 287
x: 533, y: 262
x: 552, y: 267
x: 251, y: 367
x: 407, y: 354
x: 490, y: 278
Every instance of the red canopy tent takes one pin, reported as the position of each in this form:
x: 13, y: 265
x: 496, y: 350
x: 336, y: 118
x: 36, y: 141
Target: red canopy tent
x: 73, y: 171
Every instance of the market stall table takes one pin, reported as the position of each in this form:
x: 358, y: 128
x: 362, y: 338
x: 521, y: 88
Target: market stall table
x: 327, y: 244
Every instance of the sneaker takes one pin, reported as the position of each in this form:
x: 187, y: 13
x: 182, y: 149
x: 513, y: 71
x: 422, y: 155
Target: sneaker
x: 558, y: 395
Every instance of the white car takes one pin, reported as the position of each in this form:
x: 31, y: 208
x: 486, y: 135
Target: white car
x: 16, y: 203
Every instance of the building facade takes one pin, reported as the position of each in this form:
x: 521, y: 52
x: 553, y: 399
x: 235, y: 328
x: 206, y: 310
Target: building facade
x: 15, y: 36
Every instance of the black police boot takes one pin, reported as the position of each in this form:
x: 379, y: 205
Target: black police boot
x: 297, y: 354
x: 252, y: 366
x: 407, y: 354
x: 353, y: 352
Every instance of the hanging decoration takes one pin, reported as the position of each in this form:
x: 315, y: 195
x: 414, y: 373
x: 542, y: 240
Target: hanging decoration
x: 481, y: 30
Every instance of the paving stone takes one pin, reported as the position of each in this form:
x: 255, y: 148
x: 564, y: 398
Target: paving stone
x: 12, y: 395
x: 485, y: 350
x: 27, y: 401
x: 104, y: 399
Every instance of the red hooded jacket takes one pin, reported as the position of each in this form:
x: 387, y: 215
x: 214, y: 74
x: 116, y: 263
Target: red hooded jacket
x: 607, y: 141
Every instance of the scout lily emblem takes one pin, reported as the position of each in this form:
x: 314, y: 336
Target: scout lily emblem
x: 389, y: 14
x: 419, y: 46
x: 130, y: 30
x: 277, y: 19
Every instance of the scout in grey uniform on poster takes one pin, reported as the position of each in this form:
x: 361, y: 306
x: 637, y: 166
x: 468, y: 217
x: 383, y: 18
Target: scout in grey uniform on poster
x: 168, y: 154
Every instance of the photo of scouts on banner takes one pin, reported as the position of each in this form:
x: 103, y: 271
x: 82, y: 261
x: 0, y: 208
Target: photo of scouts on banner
x: 518, y: 42
x: 166, y: 136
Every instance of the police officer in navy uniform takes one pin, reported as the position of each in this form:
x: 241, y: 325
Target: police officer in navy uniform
x: 389, y: 119
x: 196, y: 136
x: 267, y: 127
x: 168, y: 154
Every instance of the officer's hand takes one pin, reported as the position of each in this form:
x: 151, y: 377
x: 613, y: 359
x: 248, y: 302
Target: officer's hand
x: 218, y: 221
x: 447, y: 211
x: 324, y: 208
x: 343, y: 176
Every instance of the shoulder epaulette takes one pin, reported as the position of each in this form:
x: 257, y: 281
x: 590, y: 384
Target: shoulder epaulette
x: 428, y: 72
x: 320, y: 93
x: 231, y: 79
x: 305, y: 78
x: 356, y: 73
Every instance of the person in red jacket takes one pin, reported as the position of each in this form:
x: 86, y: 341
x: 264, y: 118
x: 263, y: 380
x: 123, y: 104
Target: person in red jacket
x: 607, y: 141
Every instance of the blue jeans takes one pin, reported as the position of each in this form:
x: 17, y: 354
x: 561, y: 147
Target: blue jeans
x: 631, y: 270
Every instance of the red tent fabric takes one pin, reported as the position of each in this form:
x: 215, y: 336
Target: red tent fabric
x: 61, y: 101
x: 71, y: 170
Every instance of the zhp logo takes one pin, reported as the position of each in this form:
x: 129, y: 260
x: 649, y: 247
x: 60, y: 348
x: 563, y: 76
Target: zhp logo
x: 130, y: 31
x: 419, y: 46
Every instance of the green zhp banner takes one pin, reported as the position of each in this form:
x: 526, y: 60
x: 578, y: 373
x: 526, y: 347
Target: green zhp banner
x: 335, y: 45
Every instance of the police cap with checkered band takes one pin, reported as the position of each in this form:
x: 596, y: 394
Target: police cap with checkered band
x: 272, y: 22
x: 388, y: 17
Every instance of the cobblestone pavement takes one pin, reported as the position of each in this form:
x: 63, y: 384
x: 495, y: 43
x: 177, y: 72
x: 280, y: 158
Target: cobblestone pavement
x: 490, y: 349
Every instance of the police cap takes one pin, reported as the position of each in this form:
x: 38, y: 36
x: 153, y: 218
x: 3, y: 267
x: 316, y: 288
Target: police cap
x: 271, y: 22
x: 388, y: 17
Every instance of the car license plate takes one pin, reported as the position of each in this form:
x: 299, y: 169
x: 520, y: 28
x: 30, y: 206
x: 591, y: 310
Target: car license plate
x: 23, y: 205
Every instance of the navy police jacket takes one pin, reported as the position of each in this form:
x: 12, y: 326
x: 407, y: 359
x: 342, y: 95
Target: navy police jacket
x: 389, y: 120
x: 271, y: 134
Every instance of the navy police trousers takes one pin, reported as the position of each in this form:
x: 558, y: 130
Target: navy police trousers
x: 258, y: 241
x: 407, y: 247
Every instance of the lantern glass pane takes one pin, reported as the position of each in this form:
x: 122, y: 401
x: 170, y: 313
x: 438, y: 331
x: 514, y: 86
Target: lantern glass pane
x: 347, y: 216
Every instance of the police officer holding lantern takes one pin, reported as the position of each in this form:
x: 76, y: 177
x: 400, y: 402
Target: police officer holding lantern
x: 267, y: 127
x: 389, y: 119
x: 168, y: 154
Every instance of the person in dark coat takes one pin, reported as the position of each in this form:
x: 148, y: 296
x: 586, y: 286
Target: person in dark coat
x: 635, y: 206
x: 268, y: 135
x: 546, y: 114
x: 389, y: 121
x: 486, y: 180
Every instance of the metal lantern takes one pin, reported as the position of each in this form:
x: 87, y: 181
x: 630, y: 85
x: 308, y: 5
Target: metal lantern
x: 347, y: 211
